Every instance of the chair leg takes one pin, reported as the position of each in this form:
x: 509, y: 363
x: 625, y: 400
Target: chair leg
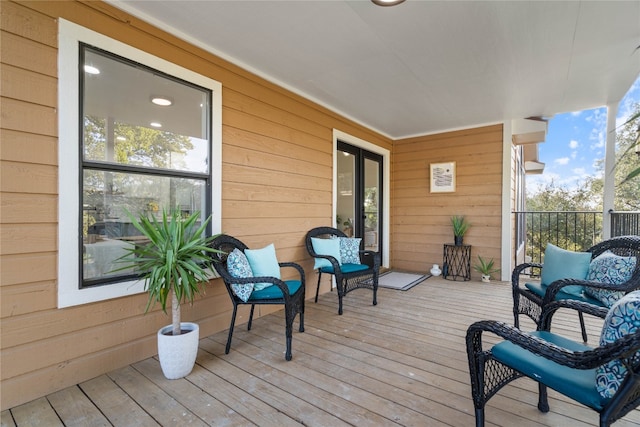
x: 288, y: 332
x: 375, y: 294
x: 479, y: 417
x: 582, y: 328
x: 233, y: 322
x: 318, y: 287
x: 250, y: 317
x: 543, y: 401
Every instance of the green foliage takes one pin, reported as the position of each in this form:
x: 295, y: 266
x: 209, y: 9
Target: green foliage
x: 460, y: 225
x: 627, y: 171
x: 485, y: 267
x: 174, y: 261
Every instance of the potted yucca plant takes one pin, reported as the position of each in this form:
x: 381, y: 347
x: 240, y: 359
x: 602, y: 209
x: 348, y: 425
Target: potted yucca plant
x: 486, y: 269
x: 174, y: 264
x: 460, y: 226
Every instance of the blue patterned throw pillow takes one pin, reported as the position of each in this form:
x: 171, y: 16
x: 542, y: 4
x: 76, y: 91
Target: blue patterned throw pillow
x: 622, y: 319
x: 350, y: 250
x: 238, y: 266
x: 609, y: 268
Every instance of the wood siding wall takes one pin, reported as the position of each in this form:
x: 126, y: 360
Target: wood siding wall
x: 277, y: 184
x: 277, y: 172
x: 421, y: 219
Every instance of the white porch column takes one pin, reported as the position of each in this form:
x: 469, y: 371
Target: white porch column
x: 609, y: 170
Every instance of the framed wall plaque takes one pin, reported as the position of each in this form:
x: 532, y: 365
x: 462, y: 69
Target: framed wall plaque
x: 443, y: 177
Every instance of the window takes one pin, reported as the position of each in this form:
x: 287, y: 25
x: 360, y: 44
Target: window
x: 137, y: 134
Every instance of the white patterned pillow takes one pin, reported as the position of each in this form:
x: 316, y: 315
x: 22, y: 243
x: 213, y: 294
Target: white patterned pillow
x: 609, y: 268
x: 239, y: 267
x: 350, y: 250
x: 622, y: 319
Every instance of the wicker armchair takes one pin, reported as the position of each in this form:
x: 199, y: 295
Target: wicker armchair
x: 290, y: 293
x: 348, y: 276
x: 553, y: 361
x: 525, y: 301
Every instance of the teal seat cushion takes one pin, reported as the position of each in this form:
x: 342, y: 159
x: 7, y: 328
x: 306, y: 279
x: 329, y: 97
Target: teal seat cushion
x: 540, y: 289
x: 274, y: 292
x: 329, y: 247
x: 346, y: 268
x: 562, y: 264
x: 577, y: 384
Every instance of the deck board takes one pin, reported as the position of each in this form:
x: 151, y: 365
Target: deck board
x: 400, y: 363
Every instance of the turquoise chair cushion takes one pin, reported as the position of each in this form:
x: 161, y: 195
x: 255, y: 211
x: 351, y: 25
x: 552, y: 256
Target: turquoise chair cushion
x: 540, y: 289
x: 578, y: 384
x: 609, y: 268
x: 622, y: 319
x: 346, y: 268
x: 264, y: 263
x: 329, y: 247
x: 274, y: 292
x: 562, y: 264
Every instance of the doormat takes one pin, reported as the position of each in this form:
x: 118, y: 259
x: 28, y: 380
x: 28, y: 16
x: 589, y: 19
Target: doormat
x: 401, y: 281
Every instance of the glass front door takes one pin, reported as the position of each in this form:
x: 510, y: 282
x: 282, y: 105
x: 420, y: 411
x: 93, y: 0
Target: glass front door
x: 359, y: 199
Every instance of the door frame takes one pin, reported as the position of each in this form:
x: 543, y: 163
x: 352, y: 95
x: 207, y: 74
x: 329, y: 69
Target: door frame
x: 386, y: 180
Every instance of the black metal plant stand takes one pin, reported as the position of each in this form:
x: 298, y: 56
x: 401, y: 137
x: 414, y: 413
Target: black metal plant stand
x: 456, y: 262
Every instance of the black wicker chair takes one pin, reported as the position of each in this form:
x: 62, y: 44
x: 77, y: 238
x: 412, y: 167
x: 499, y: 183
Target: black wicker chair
x: 527, y: 302
x: 293, y: 303
x: 565, y: 366
x: 348, y: 276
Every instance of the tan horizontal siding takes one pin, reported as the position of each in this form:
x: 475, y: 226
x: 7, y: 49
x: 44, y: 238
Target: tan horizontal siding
x: 276, y: 182
x: 421, y: 219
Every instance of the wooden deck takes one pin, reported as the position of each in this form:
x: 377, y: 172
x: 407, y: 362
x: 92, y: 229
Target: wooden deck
x: 402, y: 362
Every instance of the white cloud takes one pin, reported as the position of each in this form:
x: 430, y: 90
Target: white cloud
x: 562, y: 160
x: 573, y: 144
x: 579, y: 171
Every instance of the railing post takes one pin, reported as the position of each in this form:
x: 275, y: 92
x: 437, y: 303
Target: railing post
x: 608, y: 190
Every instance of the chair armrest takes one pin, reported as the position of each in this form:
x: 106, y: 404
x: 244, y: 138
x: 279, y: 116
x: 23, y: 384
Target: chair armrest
x: 371, y: 258
x: 296, y: 266
x: 517, y: 271
x: 623, y: 348
x: 550, y: 309
x: 555, y: 287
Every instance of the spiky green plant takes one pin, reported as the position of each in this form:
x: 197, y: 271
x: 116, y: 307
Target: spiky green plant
x: 460, y: 225
x: 175, y: 262
x: 485, y: 267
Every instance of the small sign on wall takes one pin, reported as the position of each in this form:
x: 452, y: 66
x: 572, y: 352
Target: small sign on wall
x: 443, y: 177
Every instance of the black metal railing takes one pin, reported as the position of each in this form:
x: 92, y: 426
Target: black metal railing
x: 624, y: 223
x: 571, y: 230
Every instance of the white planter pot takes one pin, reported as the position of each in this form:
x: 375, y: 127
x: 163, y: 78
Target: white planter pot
x: 178, y: 353
x: 486, y: 278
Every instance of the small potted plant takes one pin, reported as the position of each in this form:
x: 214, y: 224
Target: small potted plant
x: 460, y: 226
x: 485, y: 268
x: 174, y: 265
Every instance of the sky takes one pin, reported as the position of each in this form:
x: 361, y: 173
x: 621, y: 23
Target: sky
x: 575, y: 141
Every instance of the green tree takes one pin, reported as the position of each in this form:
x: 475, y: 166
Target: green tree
x: 627, y: 172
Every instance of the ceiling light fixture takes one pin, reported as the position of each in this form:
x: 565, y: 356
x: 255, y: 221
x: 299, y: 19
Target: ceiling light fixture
x: 387, y: 2
x: 162, y: 101
x: 155, y: 124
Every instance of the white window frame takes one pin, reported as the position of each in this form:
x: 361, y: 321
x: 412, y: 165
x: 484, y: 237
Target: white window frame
x: 70, y: 35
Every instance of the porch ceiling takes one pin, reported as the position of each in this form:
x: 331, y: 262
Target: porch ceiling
x: 423, y: 66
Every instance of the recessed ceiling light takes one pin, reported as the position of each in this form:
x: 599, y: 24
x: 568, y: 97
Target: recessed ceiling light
x: 91, y: 69
x: 387, y: 2
x: 163, y: 101
x: 155, y: 124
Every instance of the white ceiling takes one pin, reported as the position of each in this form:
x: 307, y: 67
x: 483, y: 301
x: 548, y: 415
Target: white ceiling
x: 422, y: 66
